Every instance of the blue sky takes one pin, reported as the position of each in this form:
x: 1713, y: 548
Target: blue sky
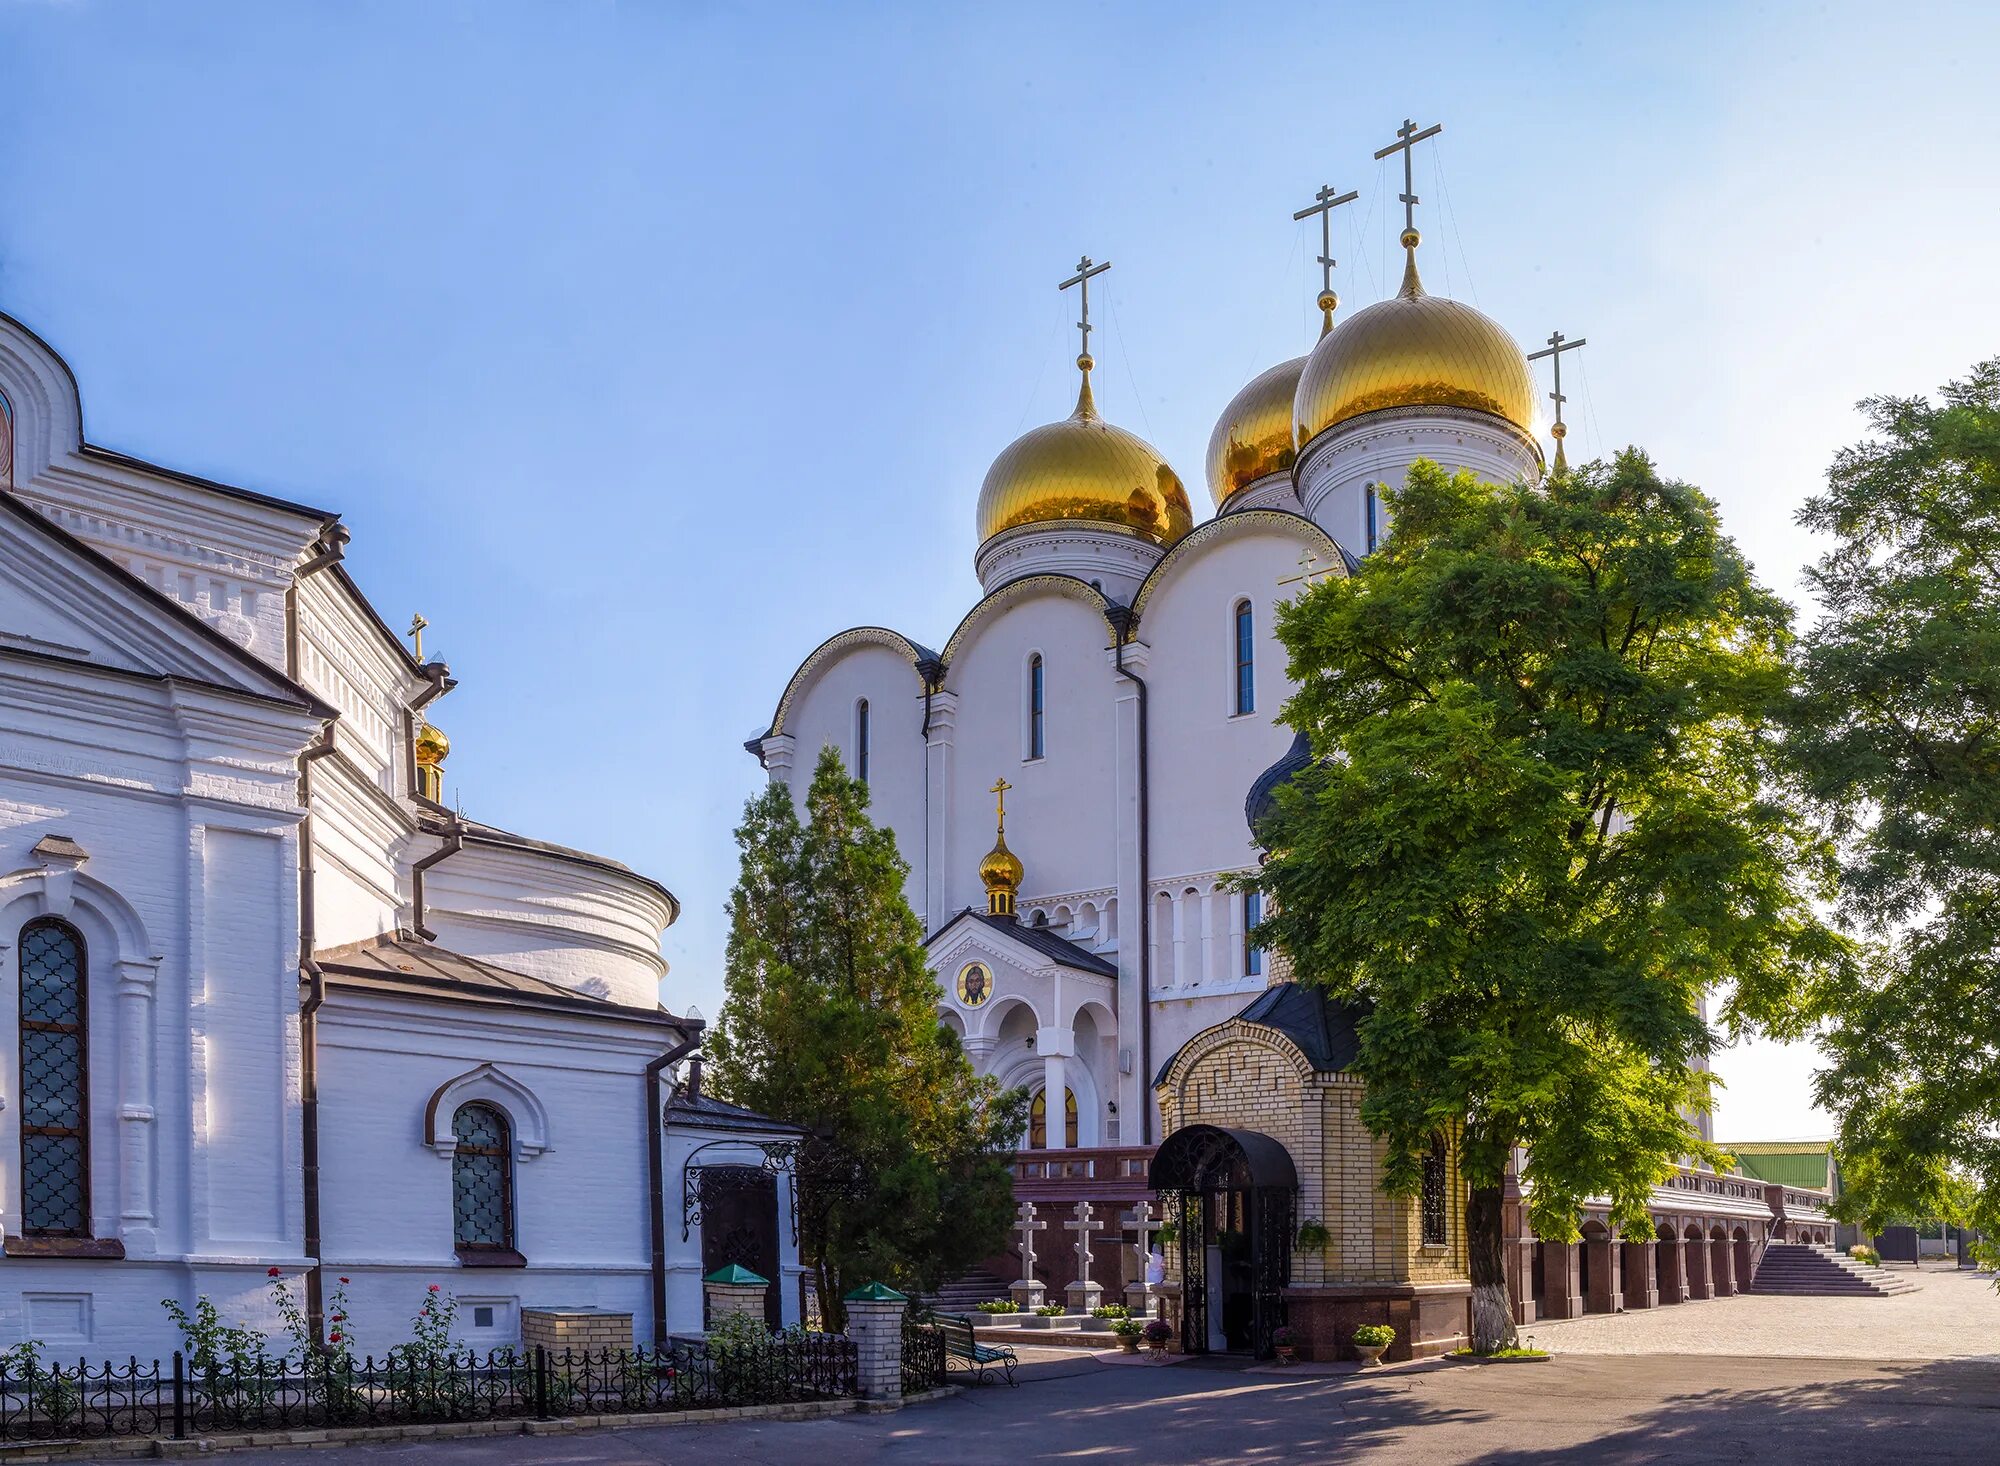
x: 643, y: 346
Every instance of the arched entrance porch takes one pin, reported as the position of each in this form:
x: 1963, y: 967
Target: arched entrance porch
x: 1230, y: 1195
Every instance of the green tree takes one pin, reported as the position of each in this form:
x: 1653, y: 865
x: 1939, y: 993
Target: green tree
x: 831, y: 1023
x: 1895, y: 737
x: 1536, y: 838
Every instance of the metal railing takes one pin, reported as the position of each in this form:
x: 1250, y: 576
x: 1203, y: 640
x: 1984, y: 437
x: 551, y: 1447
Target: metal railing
x: 55, y: 1401
x: 923, y: 1355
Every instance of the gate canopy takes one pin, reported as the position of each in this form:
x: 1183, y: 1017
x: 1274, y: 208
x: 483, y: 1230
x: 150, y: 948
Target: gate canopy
x: 1187, y: 1159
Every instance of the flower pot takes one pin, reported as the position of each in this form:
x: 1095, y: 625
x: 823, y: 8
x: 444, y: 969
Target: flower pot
x: 1131, y: 1345
x: 1159, y: 1345
x: 1370, y: 1353
x: 1285, y: 1352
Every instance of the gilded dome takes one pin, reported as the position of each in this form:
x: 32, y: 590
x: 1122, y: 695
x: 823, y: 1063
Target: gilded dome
x: 1413, y: 350
x: 1254, y: 435
x: 432, y: 747
x: 1001, y: 869
x: 1084, y: 468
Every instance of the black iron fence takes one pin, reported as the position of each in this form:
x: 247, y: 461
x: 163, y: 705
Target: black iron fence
x: 56, y: 1401
x: 923, y: 1354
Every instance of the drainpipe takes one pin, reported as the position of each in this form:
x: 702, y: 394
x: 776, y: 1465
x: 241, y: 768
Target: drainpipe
x: 439, y: 678
x: 327, y: 550
x: 454, y: 841
x: 1121, y: 623
x: 656, y: 1172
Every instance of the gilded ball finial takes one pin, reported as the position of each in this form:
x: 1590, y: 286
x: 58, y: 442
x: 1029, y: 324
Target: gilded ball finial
x: 1085, y: 361
x: 1558, y: 432
x: 1411, y: 239
x: 1328, y: 300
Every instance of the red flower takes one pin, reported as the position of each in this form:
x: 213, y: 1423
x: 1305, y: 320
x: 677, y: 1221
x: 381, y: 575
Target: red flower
x: 434, y: 1287
x: 343, y: 1280
x: 276, y: 1272
x: 334, y: 1337
x: 340, y: 1318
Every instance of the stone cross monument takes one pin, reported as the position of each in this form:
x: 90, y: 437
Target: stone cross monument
x: 1083, y: 1295
x: 1139, y: 1294
x: 1027, y: 1289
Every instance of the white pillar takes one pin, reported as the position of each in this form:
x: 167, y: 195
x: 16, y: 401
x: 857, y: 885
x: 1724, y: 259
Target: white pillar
x: 1056, y: 1046
x: 1130, y: 910
x: 136, y: 982
x: 939, y: 749
x: 778, y: 754
x: 1208, y: 923
x: 1178, y: 904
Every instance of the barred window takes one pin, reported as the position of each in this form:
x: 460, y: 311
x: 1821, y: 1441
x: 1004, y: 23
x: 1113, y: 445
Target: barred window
x: 482, y: 1178
x: 55, y: 1101
x: 1433, y: 1208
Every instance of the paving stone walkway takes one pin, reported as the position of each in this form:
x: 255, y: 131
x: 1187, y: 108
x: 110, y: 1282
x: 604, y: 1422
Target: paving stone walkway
x: 1950, y: 1315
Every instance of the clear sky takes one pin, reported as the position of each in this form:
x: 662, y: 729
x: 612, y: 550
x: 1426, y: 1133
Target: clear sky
x: 643, y: 346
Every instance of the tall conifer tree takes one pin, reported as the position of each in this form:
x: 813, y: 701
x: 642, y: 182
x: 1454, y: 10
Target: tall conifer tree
x: 1536, y: 837
x: 831, y: 1023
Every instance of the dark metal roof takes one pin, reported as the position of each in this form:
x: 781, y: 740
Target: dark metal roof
x: 1262, y: 799
x: 1039, y: 938
x: 702, y: 1109
x: 1187, y: 1159
x: 401, y: 962
x: 1320, y: 1028
x: 483, y: 834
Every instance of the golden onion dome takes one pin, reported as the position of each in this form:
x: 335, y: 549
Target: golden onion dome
x: 1084, y: 468
x: 1001, y: 868
x: 432, y: 747
x: 1253, y: 437
x: 1413, y: 350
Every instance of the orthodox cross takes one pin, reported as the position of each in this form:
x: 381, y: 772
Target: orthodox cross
x: 1558, y: 344
x: 1084, y: 271
x: 999, y: 790
x: 1328, y: 202
x: 1024, y: 1221
x: 1140, y: 1219
x: 1407, y: 138
x: 1083, y: 1225
x: 416, y: 631
x: 1309, y: 566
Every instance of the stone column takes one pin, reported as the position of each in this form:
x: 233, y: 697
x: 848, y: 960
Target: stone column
x: 938, y: 754
x: 1694, y: 1252
x: 1055, y: 1045
x: 1607, y: 1287
x: 1135, y: 1096
x: 1083, y: 1295
x: 778, y: 754
x: 1721, y: 1267
x: 734, y: 1289
x: 1178, y: 905
x: 875, y: 1324
x: 1027, y: 1289
x: 136, y: 983
x: 1642, y: 1277
x: 1517, y: 1258
x: 1562, y: 1287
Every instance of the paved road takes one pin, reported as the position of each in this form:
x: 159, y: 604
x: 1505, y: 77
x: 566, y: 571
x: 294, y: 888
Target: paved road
x: 1575, y: 1410
x: 1951, y: 1315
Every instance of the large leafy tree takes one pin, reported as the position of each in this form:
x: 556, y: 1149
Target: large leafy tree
x: 1536, y: 838
x: 1896, y: 737
x: 830, y: 1022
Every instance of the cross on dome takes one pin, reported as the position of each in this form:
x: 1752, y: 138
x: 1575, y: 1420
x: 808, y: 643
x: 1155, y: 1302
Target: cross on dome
x: 1328, y: 201
x: 1558, y: 344
x: 1085, y: 270
x: 1407, y: 138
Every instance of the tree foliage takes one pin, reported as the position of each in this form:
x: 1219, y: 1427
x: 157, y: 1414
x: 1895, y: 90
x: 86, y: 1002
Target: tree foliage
x: 1537, y: 837
x: 830, y: 1022
x: 1895, y: 737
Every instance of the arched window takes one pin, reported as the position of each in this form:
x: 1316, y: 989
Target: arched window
x: 1374, y: 527
x: 1246, y: 661
x: 1253, y: 912
x: 861, y: 740
x: 482, y: 1180
x: 55, y: 1088
x: 1432, y: 1200
x: 1037, y: 708
x: 1038, y: 1121
x: 6, y: 443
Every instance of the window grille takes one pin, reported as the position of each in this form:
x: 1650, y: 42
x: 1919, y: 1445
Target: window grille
x: 482, y: 1178
x: 1434, y: 1210
x: 55, y: 1102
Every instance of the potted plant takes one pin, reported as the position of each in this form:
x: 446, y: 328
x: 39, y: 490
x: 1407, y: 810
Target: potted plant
x: 1284, y: 1341
x: 1168, y: 1234
x: 1371, y: 1339
x: 998, y: 1306
x: 1156, y: 1334
x: 1313, y: 1235
x: 1128, y: 1331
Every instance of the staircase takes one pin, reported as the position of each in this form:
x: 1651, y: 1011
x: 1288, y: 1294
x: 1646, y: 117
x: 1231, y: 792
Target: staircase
x: 1800, y: 1270
x: 963, y: 1294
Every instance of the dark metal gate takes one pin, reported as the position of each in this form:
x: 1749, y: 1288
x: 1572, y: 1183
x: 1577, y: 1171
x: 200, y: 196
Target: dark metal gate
x: 739, y: 1224
x: 1233, y: 1194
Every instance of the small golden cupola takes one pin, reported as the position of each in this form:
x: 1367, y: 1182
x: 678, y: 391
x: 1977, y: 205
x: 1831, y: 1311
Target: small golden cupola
x: 432, y: 748
x: 1253, y: 438
x: 1001, y: 870
x: 1085, y: 478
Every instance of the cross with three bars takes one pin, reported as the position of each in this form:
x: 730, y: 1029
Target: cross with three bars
x: 1558, y: 344
x: 1328, y: 201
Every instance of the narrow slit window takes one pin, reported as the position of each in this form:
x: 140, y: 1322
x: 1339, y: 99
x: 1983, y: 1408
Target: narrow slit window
x: 1253, y: 912
x: 1374, y: 529
x: 1246, y: 660
x: 861, y: 740
x: 1037, y: 708
x: 55, y: 1083
x: 1433, y: 1196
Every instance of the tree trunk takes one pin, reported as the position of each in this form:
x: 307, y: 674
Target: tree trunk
x: 1492, y: 1309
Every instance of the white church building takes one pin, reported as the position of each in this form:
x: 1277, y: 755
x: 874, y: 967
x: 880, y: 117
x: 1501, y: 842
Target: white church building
x: 1120, y: 677
x: 268, y: 1004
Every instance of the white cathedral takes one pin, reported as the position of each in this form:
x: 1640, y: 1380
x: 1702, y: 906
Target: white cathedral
x: 269, y: 1006
x: 1117, y: 685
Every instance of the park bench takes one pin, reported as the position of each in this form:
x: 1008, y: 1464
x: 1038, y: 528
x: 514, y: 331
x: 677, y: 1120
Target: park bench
x: 962, y: 1346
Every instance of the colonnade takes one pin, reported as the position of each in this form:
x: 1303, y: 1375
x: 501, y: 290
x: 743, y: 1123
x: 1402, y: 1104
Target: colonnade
x: 1688, y: 1260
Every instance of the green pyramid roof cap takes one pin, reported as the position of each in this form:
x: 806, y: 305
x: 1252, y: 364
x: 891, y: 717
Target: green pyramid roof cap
x: 876, y: 1293
x: 738, y: 1274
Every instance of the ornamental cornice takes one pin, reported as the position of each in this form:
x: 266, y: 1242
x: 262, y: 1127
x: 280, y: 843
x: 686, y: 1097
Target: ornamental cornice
x: 1231, y: 1031
x: 1067, y: 586
x: 1242, y: 521
x: 1355, y: 431
x: 833, y: 647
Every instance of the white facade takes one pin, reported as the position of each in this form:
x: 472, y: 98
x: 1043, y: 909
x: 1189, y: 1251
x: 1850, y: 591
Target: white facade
x: 208, y: 804
x: 1130, y: 819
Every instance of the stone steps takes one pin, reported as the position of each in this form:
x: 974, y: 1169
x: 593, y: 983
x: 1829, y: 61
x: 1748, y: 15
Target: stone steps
x: 1799, y: 1270
x: 962, y: 1295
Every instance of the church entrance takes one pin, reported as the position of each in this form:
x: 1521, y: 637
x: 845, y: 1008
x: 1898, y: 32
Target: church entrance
x: 1230, y: 1195
x: 739, y: 1224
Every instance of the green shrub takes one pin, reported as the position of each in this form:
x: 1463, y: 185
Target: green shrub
x: 1862, y: 1252
x: 1127, y: 1328
x: 1372, y: 1334
x: 1051, y: 1310
x: 1111, y: 1310
x: 1313, y: 1235
x: 998, y: 1305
